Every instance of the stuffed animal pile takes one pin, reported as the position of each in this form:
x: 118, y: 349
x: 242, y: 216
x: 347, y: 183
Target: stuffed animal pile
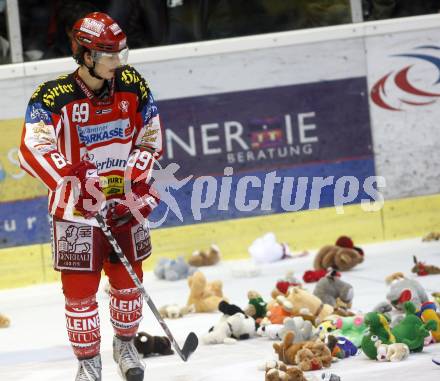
x: 310, y: 329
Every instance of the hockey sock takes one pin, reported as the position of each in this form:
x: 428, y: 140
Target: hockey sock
x: 82, y: 321
x: 125, y: 311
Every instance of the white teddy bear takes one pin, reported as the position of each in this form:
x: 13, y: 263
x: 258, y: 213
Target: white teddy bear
x: 391, y: 352
x: 230, y: 329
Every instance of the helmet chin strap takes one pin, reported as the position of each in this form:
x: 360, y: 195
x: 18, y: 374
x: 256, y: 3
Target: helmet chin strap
x: 92, y: 71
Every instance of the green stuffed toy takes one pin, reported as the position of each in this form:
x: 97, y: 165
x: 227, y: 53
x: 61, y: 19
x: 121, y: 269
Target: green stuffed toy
x: 351, y: 327
x: 257, y: 307
x: 411, y: 330
x: 378, y: 328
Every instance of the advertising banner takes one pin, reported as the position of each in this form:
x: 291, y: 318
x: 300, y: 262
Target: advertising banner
x: 404, y: 86
x: 235, y: 155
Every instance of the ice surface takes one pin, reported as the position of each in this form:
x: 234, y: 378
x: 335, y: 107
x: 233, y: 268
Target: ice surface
x: 35, y: 347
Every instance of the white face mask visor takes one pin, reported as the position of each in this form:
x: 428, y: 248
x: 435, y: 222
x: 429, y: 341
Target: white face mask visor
x: 111, y: 60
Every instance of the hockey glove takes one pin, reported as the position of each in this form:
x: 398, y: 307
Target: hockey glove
x: 87, y: 192
x: 136, y: 207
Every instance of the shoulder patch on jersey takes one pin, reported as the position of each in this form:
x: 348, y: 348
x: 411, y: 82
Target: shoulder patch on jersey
x: 37, y: 91
x: 131, y: 78
x: 49, y: 92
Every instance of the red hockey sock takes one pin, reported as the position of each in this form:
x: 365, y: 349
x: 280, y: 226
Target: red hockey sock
x: 82, y: 321
x: 125, y: 311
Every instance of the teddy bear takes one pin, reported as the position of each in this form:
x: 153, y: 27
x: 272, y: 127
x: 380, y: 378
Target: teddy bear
x: 266, y: 249
x: 331, y: 287
x: 391, y: 352
x: 256, y: 307
x: 173, y: 269
x: 278, y: 371
x: 432, y: 236
x: 342, y: 256
x: 5, y: 322
x: 303, y: 301
x: 173, y: 311
x: 313, y: 356
x: 203, y: 258
x: 203, y: 295
x: 287, y: 349
x: 148, y: 345
x: 230, y: 329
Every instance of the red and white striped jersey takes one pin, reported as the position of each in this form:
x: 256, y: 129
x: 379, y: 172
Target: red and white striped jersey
x: 66, y: 122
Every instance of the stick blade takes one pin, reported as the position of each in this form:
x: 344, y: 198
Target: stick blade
x: 190, y: 345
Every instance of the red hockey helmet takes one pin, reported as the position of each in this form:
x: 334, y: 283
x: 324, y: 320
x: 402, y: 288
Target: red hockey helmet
x: 98, y: 32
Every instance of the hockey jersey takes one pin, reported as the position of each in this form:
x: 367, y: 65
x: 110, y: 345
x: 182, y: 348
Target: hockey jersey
x: 66, y: 122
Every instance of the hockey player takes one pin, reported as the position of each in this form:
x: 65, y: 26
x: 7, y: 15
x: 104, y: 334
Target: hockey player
x: 83, y: 133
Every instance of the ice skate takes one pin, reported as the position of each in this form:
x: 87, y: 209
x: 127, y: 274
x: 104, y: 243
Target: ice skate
x: 126, y: 356
x: 89, y: 369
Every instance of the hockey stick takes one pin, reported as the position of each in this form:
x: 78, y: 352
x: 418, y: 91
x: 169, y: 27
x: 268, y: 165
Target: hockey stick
x: 191, y: 341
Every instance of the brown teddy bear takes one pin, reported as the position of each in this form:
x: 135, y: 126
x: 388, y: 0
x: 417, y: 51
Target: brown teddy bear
x: 287, y: 349
x: 4, y: 321
x: 203, y: 258
x: 313, y: 356
x: 281, y: 372
x: 339, y: 258
x: 306, y: 304
x: 433, y: 236
x: 306, y: 360
x: 203, y: 295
